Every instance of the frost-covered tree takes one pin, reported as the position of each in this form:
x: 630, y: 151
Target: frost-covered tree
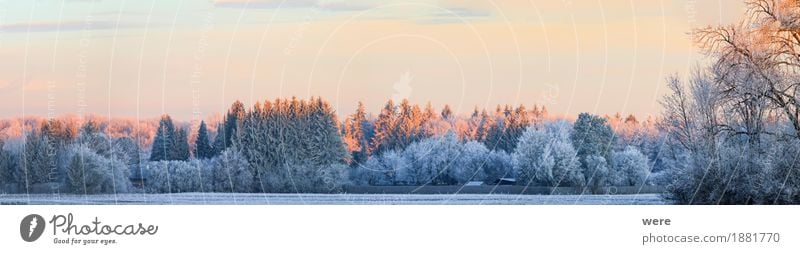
x: 485, y: 124
x: 782, y: 179
x: 516, y: 123
x: 379, y: 170
x: 546, y: 157
x: 279, y: 135
x: 631, y: 167
x: 417, y: 165
x: 219, y: 142
x: 471, y: 163
x: 498, y: 165
x: 432, y: 123
x: 596, y: 173
x: 533, y: 159
x: 96, y: 141
x: 170, y: 143
x: 429, y: 113
x: 440, y: 161
x: 408, y: 127
x: 495, y: 137
x: 431, y: 161
x: 203, y: 149
x: 7, y: 165
x: 757, y: 61
x: 323, y: 145
x: 38, y: 164
x: 725, y: 123
x: 447, y: 113
x: 231, y: 123
x: 89, y: 173
x: 177, y: 176
x: 127, y: 151
x: 744, y: 176
x: 708, y: 135
x: 163, y: 144
x: 644, y: 135
x: 384, y: 129
x: 315, y: 179
x: 354, y: 134
x: 592, y: 136
x: 180, y: 150
x: 509, y: 124
x: 436, y: 127
x: 231, y: 172
x: 91, y: 126
x: 60, y: 132
x: 443, y: 160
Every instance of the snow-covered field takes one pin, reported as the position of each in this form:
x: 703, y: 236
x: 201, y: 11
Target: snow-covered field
x: 333, y: 199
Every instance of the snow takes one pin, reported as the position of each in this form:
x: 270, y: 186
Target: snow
x: 330, y: 199
x: 474, y: 183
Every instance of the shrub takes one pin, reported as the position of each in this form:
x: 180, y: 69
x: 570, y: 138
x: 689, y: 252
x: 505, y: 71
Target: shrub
x: 432, y: 161
x: 379, y: 170
x: 737, y: 173
x: 498, y: 165
x: 90, y: 173
x: 596, y: 173
x: 324, y: 179
x: 784, y: 176
x: 38, y: 165
x: 7, y: 166
x: 177, y: 176
x: 299, y: 178
x: 631, y: 167
x: 470, y: 164
x: 230, y: 172
x: 547, y: 158
x: 436, y: 160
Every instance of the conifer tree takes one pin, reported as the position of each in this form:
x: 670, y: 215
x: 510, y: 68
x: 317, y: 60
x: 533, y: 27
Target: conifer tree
x: 592, y: 136
x: 219, y: 141
x: 354, y: 134
x: 430, y: 113
x: 203, y: 149
x: 485, y: 124
x: 39, y: 164
x: 407, y: 129
x: 180, y: 151
x: 384, y: 129
x: 232, y: 120
x: 288, y: 135
x: 447, y: 113
x: 163, y: 142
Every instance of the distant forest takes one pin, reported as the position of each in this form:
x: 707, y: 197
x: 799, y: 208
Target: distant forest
x: 290, y: 145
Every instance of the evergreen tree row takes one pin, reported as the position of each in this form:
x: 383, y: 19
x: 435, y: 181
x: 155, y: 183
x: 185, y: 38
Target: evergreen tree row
x: 170, y: 142
x: 398, y: 126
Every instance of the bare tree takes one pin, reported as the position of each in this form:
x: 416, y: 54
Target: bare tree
x: 757, y: 62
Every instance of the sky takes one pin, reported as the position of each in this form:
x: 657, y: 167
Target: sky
x: 193, y: 58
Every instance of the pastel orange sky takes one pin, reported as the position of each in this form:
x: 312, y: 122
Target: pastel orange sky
x: 194, y: 58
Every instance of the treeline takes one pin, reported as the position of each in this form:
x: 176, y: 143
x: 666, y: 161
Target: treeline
x: 398, y: 126
x: 533, y: 151
x: 52, y: 158
x: 291, y: 145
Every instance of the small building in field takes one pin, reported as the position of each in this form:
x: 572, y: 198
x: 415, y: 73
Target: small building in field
x: 505, y: 181
x: 473, y: 183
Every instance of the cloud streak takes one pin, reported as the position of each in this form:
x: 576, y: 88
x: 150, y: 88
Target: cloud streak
x: 43, y: 27
x: 453, y: 15
x: 274, y: 4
